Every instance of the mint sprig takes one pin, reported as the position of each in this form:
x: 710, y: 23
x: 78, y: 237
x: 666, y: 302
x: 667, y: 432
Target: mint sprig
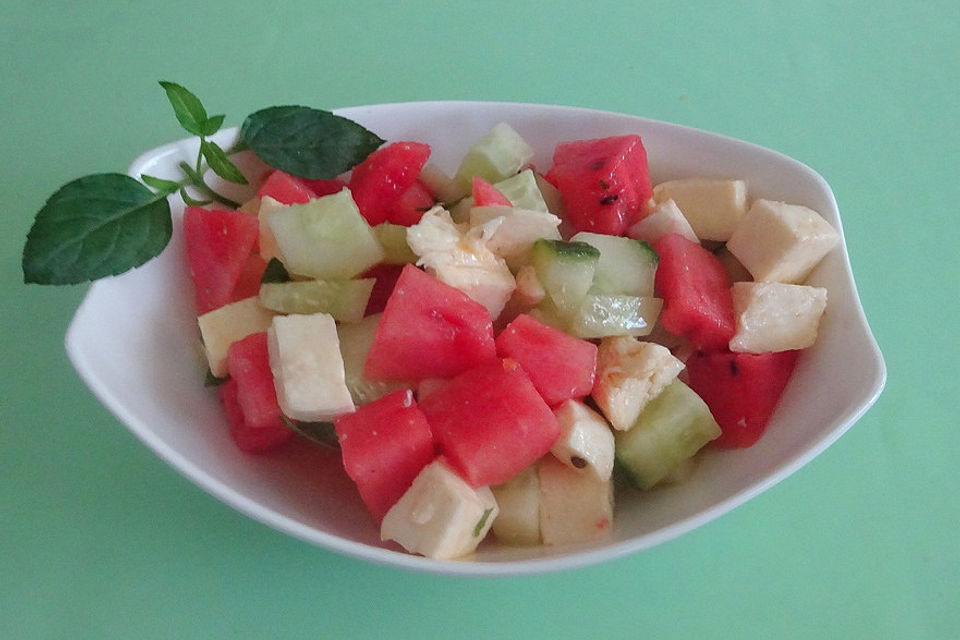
x: 105, y: 224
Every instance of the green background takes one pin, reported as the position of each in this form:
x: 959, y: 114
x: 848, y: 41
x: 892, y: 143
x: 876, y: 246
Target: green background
x: 100, y: 539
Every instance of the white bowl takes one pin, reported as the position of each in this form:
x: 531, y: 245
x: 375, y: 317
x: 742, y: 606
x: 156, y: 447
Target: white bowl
x: 133, y: 341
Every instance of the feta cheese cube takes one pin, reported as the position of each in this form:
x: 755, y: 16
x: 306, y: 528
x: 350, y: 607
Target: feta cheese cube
x: 713, y: 207
x: 585, y: 441
x: 222, y: 327
x: 774, y: 316
x: 629, y: 374
x: 665, y: 218
x: 440, y: 516
x: 780, y: 242
x: 518, y: 522
x: 307, y: 367
x: 574, y: 507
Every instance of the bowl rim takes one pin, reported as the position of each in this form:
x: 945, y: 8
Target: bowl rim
x: 467, y: 567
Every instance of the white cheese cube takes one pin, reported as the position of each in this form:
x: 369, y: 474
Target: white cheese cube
x: 518, y: 229
x: 518, y: 522
x: 574, y: 507
x: 780, y: 242
x: 774, y: 316
x: 440, y: 515
x: 713, y: 207
x: 232, y: 322
x: 307, y: 367
x: 585, y: 441
x: 460, y: 258
x: 665, y: 218
x: 629, y: 374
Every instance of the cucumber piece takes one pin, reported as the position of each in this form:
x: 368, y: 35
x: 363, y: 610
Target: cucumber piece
x: 523, y: 192
x: 626, y: 266
x: 603, y: 315
x: 356, y: 339
x: 393, y: 241
x: 566, y: 271
x: 672, y: 428
x: 345, y: 300
x: 494, y: 157
x: 325, y: 238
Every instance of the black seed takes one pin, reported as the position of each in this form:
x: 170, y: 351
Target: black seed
x: 604, y: 185
x: 578, y: 462
x: 609, y: 199
x: 596, y: 164
x: 734, y: 369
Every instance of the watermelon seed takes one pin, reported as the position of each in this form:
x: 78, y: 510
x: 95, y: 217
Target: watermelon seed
x: 734, y: 369
x: 578, y: 462
x: 609, y: 199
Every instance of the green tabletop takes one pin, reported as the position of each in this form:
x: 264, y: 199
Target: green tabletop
x: 101, y: 539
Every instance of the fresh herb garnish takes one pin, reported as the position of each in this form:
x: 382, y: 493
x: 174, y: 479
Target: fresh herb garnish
x: 483, y: 520
x: 105, y: 224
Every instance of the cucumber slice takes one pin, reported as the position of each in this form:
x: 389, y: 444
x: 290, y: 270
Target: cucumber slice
x: 626, y: 266
x: 356, y: 339
x: 494, y: 157
x: 672, y: 428
x: 345, y: 300
x: 393, y: 240
x: 603, y: 315
x: 523, y: 192
x: 325, y: 238
x: 565, y: 270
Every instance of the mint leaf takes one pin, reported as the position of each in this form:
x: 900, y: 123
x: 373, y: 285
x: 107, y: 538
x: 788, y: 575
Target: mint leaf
x: 187, y: 107
x: 308, y: 143
x: 192, y: 202
x: 95, y: 226
x: 163, y: 186
x: 220, y: 163
x: 212, y: 125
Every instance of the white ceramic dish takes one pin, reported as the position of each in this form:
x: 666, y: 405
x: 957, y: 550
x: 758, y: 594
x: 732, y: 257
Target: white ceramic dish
x: 133, y: 343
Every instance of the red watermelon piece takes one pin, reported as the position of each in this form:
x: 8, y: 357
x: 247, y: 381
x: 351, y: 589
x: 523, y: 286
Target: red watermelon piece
x: 384, y: 445
x: 218, y: 244
x: 385, y: 279
x: 323, y: 187
x: 559, y: 365
x: 491, y: 422
x: 429, y: 330
x: 696, y: 293
x: 248, y: 439
x: 604, y: 182
x: 286, y: 189
x: 248, y: 284
x: 487, y: 195
x: 411, y: 205
x: 741, y: 389
x: 378, y: 181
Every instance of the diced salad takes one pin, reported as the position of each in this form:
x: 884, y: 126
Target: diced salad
x: 490, y: 350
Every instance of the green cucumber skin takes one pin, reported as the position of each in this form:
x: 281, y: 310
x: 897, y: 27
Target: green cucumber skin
x: 672, y: 428
x: 345, y: 300
x: 562, y: 250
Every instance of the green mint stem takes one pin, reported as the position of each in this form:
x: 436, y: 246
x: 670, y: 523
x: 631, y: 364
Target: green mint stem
x: 195, y: 179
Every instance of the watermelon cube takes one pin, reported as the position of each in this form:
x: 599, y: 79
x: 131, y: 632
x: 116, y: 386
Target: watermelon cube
x: 218, y: 244
x: 560, y: 366
x: 491, y: 422
x: 287, y: 189
x: 487, y: 195
x: 604, y: 182
x: 379, y: 181
x: 429, y: 330
x: 741, y: 389
x: 696, y: 293
x: 384, y: 445
x: 248, y: 439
